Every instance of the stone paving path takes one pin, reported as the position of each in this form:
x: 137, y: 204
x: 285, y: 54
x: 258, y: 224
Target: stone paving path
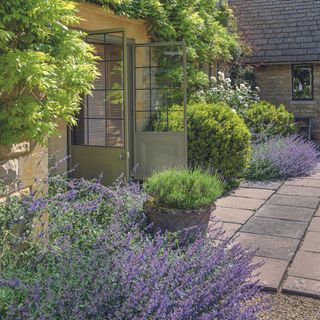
x: 281, y: 220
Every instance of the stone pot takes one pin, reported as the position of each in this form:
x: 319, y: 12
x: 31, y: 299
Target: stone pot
x: 178, y: 220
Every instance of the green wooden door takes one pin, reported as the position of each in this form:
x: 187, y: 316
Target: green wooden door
x: 99, y: 144
x: 160, y: 132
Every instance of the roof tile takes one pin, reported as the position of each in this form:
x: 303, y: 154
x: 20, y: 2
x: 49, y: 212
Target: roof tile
x: 279, y: 30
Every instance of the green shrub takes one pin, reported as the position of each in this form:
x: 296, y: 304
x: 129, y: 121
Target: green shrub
x: 218, y: 139
x: 262, y: 170
x: 167, y: 120
x: 183, y: 188
x: 238, y: 97
x: 263, y: 118
x: 45, y: 68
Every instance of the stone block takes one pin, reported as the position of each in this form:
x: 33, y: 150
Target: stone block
x: 314, y: 176
x: 285, y: 212
x: 306, y: 265
x: 229, y: 229
x: 299, y: 191
x: 302, y: 286
x: 271, y: 272
x: 231, y: 215
x: 262, y: 185
x: 9, y: 176
x: 303, y: 182
x: 311, y: 242
x: 14, y: 151
x: 253, y: 193
x: 269, y: 246
x: 20, y: 148
x: 294, y: 201
x: 240, y: 203
x: 315, y: 225
x: 275, y: 227
x: 22, y: 166
x: 21, y: 192
x: 34, y: 168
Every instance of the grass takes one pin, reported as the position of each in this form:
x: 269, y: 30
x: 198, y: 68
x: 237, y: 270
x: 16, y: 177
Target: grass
x: 183, y: 188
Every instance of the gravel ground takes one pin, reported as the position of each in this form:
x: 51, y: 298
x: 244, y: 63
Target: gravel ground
x: 289, y: 307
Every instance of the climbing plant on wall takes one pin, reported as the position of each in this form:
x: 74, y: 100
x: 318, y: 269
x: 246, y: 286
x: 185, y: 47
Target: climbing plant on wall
x: 207, y: 27
x: 45, y: 66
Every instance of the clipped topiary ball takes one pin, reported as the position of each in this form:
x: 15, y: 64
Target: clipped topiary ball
x: 265, y: 120
x: 218, y: 139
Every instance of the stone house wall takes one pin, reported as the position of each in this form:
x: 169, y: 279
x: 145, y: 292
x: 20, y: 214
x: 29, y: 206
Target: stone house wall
x: 23, y: 167
x: 94, y: 17
x: 275, y: 83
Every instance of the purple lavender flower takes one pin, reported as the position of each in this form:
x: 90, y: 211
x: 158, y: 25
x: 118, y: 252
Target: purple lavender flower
x: 134, y: 276
x: 101, y: 263
x: 283, y: 157
x: 12, y: 284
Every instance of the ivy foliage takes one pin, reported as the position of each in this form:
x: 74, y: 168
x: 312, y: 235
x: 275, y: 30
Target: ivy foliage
x: 206, y: 26
x: 45, y: 66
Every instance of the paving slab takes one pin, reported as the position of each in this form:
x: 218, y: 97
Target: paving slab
x: 262, y: 194
x: 231, y: 215
x: 272, y: 272
x: 303, y: 182
x: 299, y: 191
x: 269, y: 246
x: 285, y: 212
x: 281, y: 221
x: 240, y: 203
x: 306, y: 265
x: 294, y: 201
x: 229, y: 228
x: 315, y: 225
x: 302, y: 286
x: 274, y: 185
x: 275, y: 227
x: 314, y: 176
x: 311, y: 242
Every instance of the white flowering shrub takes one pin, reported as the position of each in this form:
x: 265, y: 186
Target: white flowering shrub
x: 238, y: 98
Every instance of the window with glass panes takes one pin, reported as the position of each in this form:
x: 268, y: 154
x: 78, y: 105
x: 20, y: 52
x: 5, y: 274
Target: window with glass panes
x: 159, y: 91
x: 101, y: 120
x: 302, y: 82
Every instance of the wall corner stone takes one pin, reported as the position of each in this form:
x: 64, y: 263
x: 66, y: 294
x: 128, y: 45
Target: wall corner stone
x: 14, y: 151
x: 23, y: 168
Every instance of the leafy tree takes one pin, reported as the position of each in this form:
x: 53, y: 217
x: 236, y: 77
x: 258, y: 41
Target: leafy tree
x: 239, y: 72
x: 45, y: 66
x: 207, y: 27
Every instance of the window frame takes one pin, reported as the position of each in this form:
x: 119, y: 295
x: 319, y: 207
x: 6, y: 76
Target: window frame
x: 151, y: 89
x: 292, y: 81
x: 85, y: 98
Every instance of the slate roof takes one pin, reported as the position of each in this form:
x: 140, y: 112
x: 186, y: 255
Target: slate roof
x: 279, y: 31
